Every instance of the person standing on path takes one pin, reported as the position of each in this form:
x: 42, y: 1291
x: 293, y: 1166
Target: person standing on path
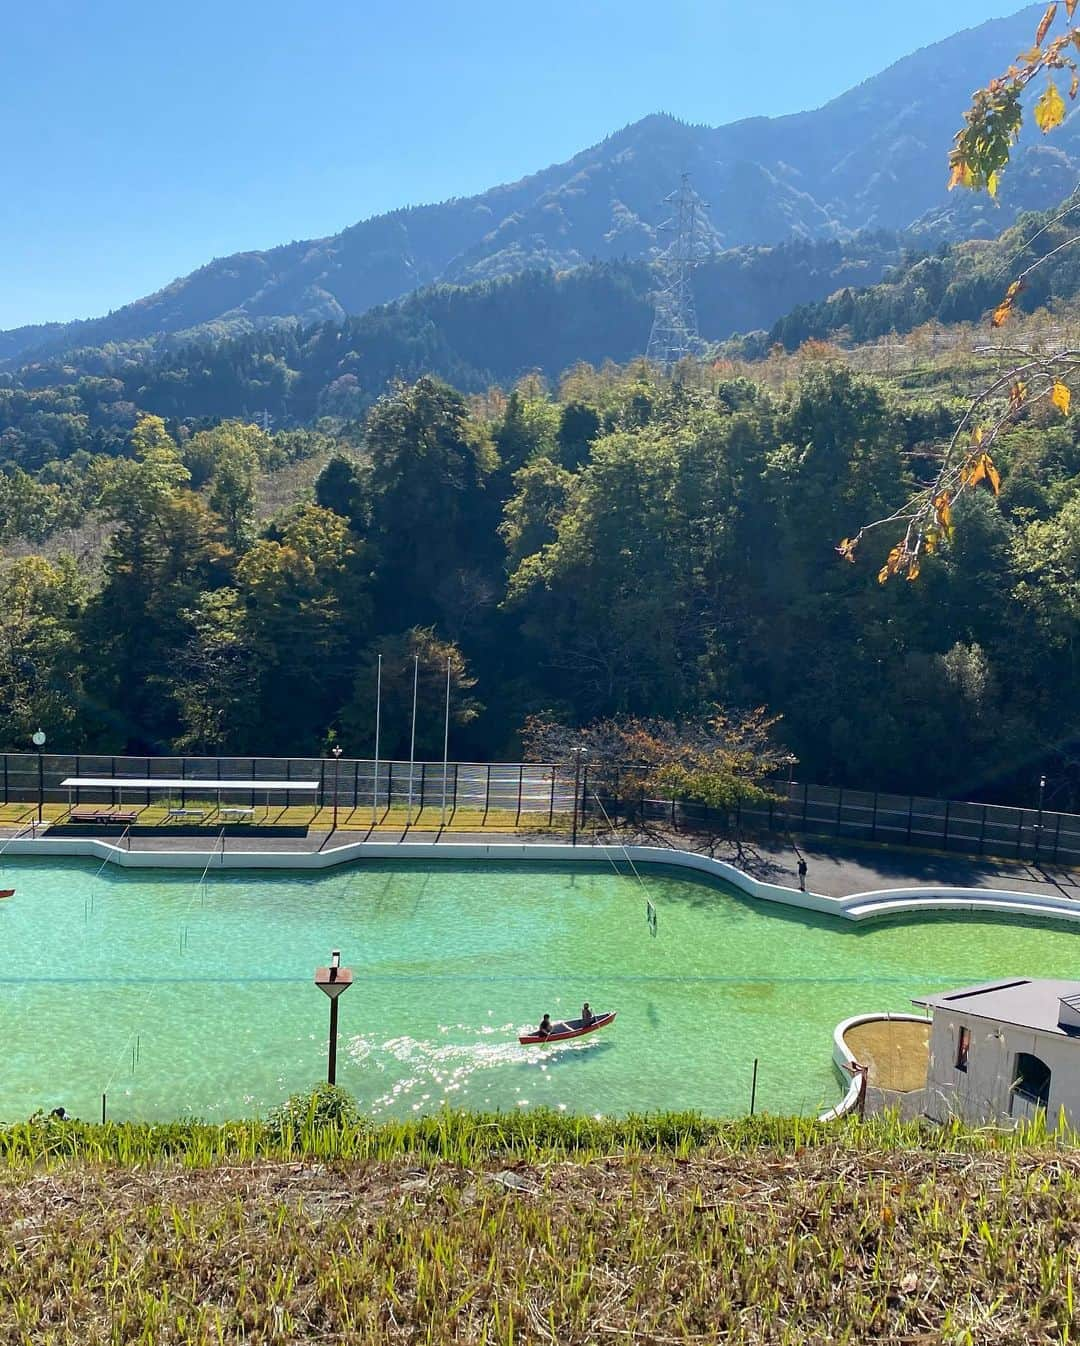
x: 802, y: 872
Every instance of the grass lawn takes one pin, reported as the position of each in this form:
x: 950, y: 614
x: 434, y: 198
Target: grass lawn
x: 538, y: 1228
x: 394, y: 819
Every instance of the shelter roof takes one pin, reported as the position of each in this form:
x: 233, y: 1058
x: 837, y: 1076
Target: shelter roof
x: 210, y: 785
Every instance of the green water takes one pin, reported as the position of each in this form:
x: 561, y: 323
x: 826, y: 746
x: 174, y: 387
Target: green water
x: 179, y: 1000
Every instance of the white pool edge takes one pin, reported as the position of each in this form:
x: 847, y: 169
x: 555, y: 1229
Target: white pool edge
x: 854, y: 907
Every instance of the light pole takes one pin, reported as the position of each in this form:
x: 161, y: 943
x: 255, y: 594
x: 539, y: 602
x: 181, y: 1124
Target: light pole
x: 336, y: 750
x: 38, y: 739
x: 333, y: 981
x: 579, y: 753
x: 1038, y: 825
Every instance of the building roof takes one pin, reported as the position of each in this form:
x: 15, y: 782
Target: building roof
x: 190, y: 783
x: 1022, y: 1002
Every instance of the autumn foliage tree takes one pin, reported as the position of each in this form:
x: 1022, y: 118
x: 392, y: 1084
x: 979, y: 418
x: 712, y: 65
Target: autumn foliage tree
x: 1025, y: 377
x: 722, y: 760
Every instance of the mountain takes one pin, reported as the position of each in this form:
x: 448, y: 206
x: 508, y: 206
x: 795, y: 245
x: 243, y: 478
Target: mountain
x: 872, y: 158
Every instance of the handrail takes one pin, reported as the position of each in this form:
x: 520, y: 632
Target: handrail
x: 210, y: 857
x: 30, y: 827
x: 110, y: 857
x: 650, y: 909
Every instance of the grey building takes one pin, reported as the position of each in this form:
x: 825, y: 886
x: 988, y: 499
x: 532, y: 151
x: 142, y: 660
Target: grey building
x: 1004, y: 1050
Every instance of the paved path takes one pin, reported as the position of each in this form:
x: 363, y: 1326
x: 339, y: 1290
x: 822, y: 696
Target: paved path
x: 843, y: 868
x: 835, y: 869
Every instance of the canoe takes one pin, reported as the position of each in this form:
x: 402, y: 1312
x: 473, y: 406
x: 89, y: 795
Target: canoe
x: 7, y: 892
x: 567, y: 1029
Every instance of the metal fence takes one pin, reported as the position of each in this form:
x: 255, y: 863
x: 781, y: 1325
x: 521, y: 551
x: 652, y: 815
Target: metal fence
x: 518, y: 788
x: 862, y: 815
x: 545, y: 793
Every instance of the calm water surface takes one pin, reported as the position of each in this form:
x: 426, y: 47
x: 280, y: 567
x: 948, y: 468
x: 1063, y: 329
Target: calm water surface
x: 177, y: 999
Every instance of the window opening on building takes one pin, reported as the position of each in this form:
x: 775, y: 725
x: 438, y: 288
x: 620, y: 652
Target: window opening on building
x: 963, y: 1046
x: 1031, y: 1079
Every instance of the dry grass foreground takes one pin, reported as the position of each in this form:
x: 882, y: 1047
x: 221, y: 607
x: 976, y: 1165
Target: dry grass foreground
x: 834, y: 1243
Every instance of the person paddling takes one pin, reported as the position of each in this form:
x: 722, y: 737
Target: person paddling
x: 545, y: 1026
x: 586, y: 1015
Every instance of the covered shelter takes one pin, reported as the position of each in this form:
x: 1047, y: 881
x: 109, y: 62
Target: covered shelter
x: 179, y: 790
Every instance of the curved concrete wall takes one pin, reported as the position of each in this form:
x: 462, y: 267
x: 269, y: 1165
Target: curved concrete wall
x: 846, y: 1062
x: 856, y: 907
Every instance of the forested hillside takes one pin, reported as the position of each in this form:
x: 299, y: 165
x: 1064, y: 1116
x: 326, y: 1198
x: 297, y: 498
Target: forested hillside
x: 872, y: 158
x: 473, y: 336
x: 59, y: 417
x: 631, y: 545
x: 956, y: 284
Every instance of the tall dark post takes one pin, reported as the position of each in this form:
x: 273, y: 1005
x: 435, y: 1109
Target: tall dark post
x: 336, y: 750
x: 331, y: 1056
x: 577, y: 788
x: 333, y: 980
x: 1038, y: 825
x: 787, y: 801
x: 39, y: 743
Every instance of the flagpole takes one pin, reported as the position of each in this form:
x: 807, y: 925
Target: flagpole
x: 412, y: 741
x: 378, y: 718
x: 446, y: 742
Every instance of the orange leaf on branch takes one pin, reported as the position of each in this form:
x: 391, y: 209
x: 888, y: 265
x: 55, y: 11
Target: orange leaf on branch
x: 1045, y: 22
x: 892, y: 564
x: 974, y: 471
x: 1004, y: 309
x: 1050, y: 109
x: 943, y: 512
x: 1001, y: 313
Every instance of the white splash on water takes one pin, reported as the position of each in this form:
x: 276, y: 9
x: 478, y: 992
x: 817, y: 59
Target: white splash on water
x: 423, y: 1069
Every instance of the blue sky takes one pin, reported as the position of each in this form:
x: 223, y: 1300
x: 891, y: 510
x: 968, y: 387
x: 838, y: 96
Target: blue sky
x: 142, y: 139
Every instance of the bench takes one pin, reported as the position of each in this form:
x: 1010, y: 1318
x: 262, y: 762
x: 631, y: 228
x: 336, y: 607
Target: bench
x: 187, y: 813
x: 103, y: 815
x: 236, y: 811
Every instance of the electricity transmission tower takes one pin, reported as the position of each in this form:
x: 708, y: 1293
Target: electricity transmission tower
x: 674, y: 332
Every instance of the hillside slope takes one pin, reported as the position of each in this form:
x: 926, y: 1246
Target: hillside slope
x: 666, y: 1229
x: 873, y: 157
x: 958, y: 284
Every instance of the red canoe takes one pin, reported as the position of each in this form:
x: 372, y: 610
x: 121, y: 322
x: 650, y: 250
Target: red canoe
x: 7, y: 892
x: 569, y: 1028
